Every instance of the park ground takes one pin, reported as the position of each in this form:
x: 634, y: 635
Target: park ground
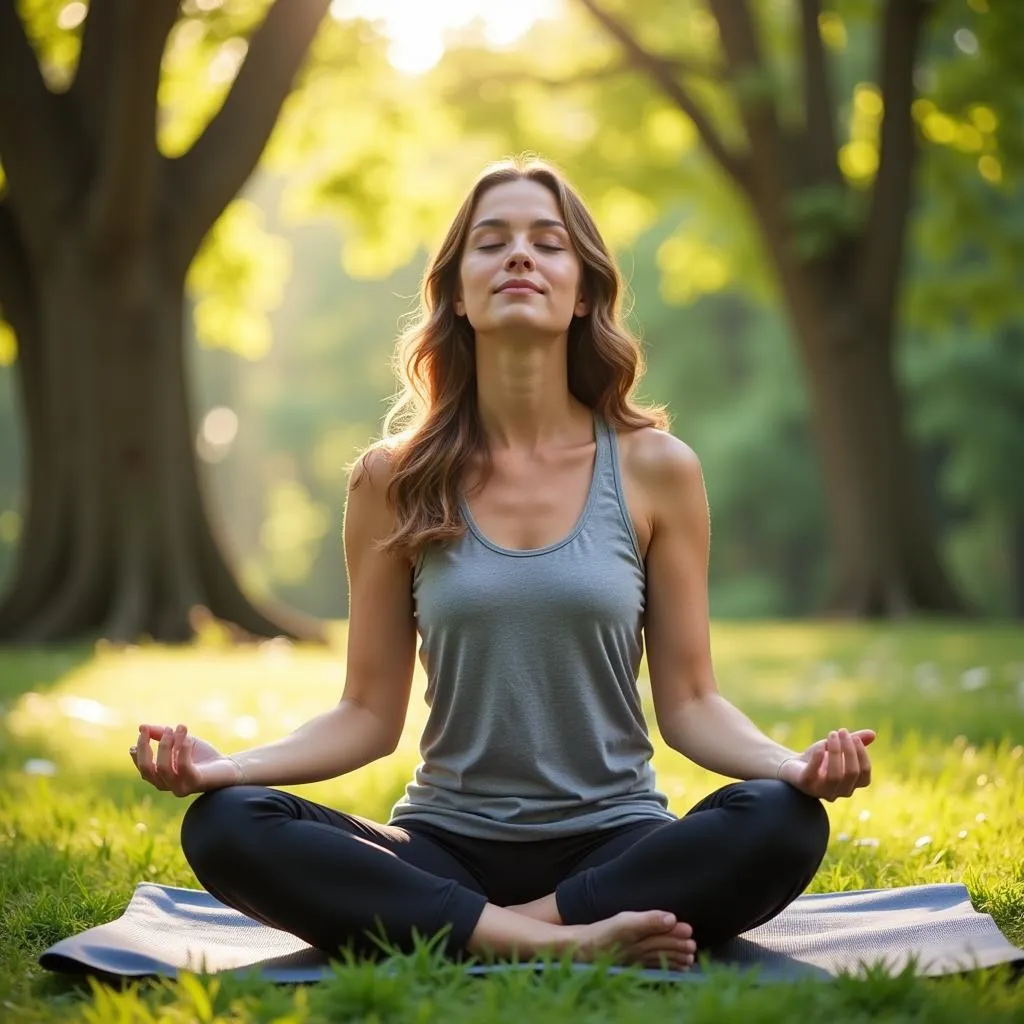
x: 78, y: 830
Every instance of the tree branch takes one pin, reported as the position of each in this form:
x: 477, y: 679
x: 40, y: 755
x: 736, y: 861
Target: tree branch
x: 587, y: 76
x: 126, y: 158
x: 819, y: 115
x: 212, y: 172
x: 884, y: 236
x: 663, y: 72
x: 15, y: 278
x: 93, y: 79
x: 29, y: 133
x: 754, y: 96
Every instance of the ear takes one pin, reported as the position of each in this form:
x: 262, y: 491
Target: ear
x: 459, y: 306
x: 582, y: 307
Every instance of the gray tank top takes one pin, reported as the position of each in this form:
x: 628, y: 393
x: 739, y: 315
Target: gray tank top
x: 535, y: 727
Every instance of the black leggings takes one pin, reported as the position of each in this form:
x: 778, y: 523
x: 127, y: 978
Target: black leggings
x: 735, y: 860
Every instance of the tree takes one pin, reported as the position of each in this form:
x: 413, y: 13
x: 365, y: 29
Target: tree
x: 841, y: 295
x: 97, y: 231
x: 758, y: 87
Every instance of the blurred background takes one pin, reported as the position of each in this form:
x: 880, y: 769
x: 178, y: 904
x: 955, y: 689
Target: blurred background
x: 215, y: 216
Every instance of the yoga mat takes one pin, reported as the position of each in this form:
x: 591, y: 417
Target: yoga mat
x: 164, y: 930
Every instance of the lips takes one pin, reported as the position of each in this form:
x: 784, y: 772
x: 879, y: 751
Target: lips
x: 519, y: 284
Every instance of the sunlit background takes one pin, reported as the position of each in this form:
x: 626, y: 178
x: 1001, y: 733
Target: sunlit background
x: 303, y: 285
x: 293, y: 303
x: 417, y: 31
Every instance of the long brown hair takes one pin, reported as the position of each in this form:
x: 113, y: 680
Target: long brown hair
x: 433, y: 430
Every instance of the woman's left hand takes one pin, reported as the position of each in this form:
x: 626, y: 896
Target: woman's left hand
x: 832, y: 767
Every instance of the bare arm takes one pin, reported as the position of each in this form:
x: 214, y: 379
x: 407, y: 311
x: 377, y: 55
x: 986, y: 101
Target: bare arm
x: 367, y: 722
x: 694, y: 718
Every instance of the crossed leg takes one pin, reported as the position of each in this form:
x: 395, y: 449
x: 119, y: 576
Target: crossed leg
x: 335, y: 879
x: 736, y: 859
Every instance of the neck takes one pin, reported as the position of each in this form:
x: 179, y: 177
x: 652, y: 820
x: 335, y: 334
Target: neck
x: 523, y: 391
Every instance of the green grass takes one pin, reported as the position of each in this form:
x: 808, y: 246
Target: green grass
x: 947, y: 804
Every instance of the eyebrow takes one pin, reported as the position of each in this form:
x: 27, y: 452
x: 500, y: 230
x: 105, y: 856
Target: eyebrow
x: 498, y: 222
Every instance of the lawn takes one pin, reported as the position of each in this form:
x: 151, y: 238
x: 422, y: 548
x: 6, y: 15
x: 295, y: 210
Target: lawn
x: 78, y: 830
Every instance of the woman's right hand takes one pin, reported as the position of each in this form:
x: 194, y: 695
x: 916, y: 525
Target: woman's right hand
x: 183, y: 764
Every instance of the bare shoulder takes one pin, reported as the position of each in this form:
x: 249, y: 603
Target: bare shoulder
x: 368, y: 507
x: 659, y: 463
x: 374, y: 468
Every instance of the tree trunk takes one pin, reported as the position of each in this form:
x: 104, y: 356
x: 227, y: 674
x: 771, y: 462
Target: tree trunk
x: 1017, y: 566
x: 117, y: 540
x: 885, y: 546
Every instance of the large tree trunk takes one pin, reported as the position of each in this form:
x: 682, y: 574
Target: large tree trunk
x: 842, y: 300
x: 97, y: 230
x: 884, y: 543
x: 117, y: 540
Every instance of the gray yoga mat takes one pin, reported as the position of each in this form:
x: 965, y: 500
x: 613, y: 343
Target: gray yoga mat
x: 164, y: 930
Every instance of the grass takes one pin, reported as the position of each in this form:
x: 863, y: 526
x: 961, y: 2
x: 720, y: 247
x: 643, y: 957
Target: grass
x: 78, y: 830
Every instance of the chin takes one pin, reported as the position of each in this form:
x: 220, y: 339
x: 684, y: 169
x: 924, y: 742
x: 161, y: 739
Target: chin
x: 515, y: 320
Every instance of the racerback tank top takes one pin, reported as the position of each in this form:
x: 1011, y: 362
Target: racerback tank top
x: 535, y: 727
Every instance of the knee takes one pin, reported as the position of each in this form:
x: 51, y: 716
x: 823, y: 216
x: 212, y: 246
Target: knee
x: 792, y: 827
x: 216, y: 827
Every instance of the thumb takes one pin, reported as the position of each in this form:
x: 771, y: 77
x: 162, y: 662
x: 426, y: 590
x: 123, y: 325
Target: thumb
x: 155, y: 731
x: 815, y: 758
x: 866, y: 736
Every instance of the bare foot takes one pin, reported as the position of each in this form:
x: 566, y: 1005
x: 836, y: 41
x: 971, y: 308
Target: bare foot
x: 544, y: 909
x: 650, y: 938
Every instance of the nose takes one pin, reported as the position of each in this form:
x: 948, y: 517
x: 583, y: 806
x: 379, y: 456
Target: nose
x: 519, y: 258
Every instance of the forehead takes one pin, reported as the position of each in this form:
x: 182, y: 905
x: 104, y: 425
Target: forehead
x: 514, y: 201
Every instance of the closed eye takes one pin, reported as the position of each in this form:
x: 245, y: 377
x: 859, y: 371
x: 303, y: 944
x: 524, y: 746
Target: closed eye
x: 497, y: 245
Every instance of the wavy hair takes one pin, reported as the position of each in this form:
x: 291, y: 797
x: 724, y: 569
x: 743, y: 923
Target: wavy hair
x: 433, y: 430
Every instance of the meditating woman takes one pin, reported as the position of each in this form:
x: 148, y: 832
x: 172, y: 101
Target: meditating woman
x: 534, y: 526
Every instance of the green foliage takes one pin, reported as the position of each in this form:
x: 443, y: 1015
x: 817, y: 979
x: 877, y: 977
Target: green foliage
x: 943, y: 807
x: 239, y: 275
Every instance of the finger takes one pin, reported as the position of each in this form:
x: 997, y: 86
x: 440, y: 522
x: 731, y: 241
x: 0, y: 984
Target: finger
x: 163, y: 755
x: 866, y: 736
x: 155, y: 731
x: 176, y: 744
x: 817, y: 761
x: 810, y: 777
x: 185, y: 754
x: 144, y: 755
x: 834, y: 777
x: 863, y: 764
x: 851, y: 765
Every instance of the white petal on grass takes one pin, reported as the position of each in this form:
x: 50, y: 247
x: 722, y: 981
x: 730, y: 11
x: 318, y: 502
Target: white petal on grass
x: 39, y: 766
x: 924, y: 841
x: 980, y: 817
x: 962, y: 834
x: 843, y: 837
x: 864, y: 815
x: 927, y: 677
x: 869, y: 841
x: 975, y: 679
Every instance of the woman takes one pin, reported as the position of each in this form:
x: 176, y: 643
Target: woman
x: 535, y: 527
